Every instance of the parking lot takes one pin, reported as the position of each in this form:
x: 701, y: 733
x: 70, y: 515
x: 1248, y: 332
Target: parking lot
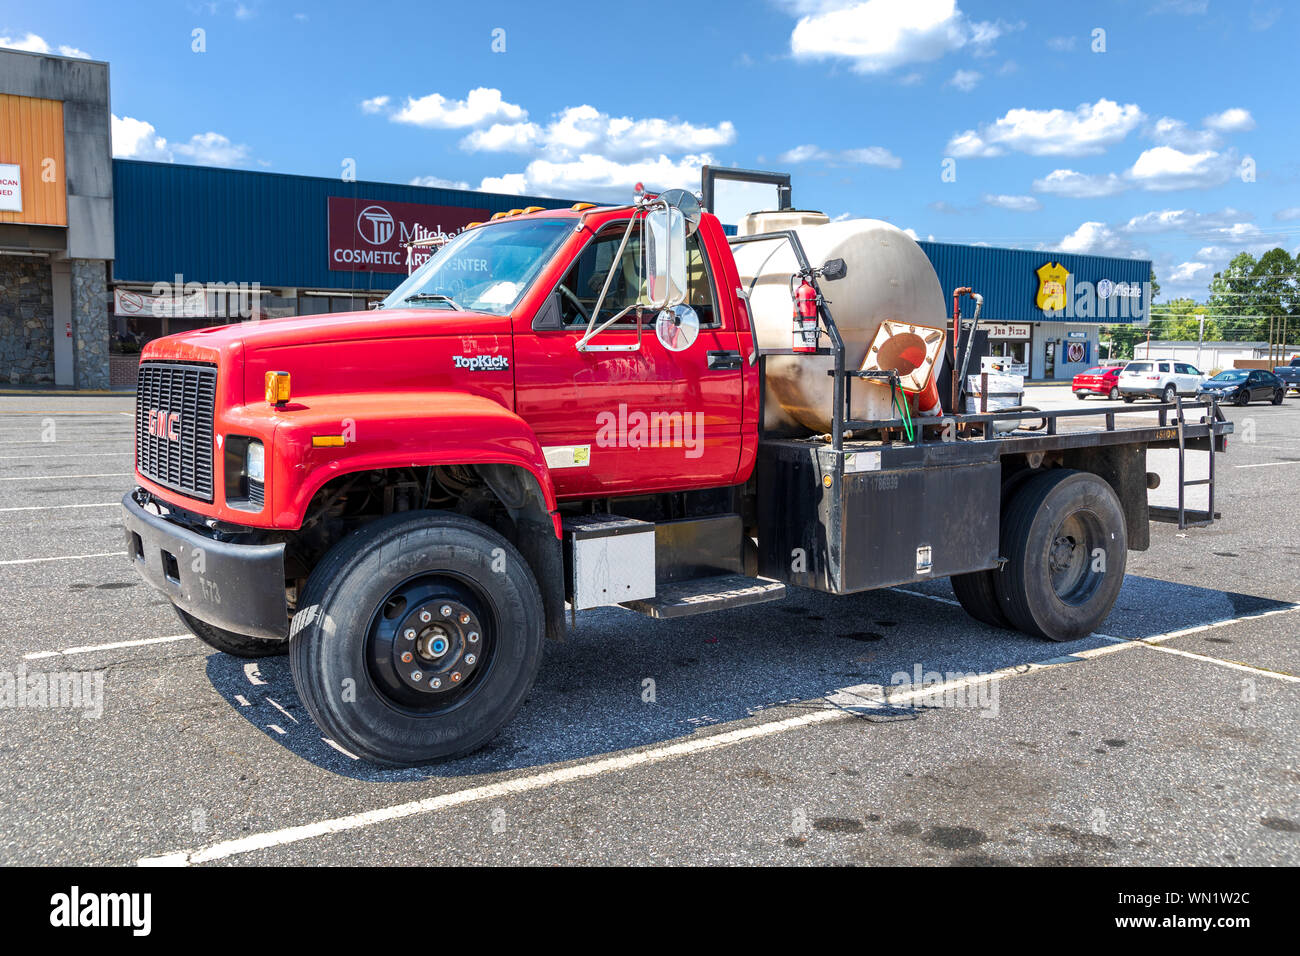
x: 753, y: 736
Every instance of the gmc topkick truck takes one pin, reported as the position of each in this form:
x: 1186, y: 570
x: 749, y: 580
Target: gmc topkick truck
x: 569, y: 409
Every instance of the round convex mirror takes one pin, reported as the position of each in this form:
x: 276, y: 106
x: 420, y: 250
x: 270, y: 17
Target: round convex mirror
x: 685, y: 203
x: 677, y: 328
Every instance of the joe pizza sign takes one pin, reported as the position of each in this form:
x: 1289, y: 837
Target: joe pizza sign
x: 368, y: 236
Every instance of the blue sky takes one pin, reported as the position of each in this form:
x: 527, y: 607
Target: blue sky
x: 1170, y: 134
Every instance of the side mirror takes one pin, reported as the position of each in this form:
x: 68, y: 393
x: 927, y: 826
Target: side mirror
x: 835, y: 269
x: 665, y: 257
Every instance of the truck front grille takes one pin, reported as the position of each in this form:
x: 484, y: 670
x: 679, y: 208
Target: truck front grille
x: 174, y: 408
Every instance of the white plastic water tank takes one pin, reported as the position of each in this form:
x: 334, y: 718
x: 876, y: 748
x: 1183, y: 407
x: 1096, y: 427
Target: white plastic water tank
x: 888, y: 278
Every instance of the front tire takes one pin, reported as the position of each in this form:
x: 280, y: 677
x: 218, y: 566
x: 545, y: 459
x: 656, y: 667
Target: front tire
x: 1066, y: 544
x: 228, y: 642
x: 418, y: 638
x: 1129, y: 399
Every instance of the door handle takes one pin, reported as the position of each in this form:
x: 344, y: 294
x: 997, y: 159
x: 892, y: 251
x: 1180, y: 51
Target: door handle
x: 721, y: 361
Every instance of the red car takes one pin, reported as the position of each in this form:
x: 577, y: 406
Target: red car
x: 1098, y: 380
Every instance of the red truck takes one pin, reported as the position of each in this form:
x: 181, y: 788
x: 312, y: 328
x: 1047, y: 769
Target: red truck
x: 568, y: 409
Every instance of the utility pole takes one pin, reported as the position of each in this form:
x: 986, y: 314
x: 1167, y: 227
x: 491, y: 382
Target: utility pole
x: 1200, y: 339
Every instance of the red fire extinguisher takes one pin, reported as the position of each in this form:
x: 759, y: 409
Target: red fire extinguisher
x: 804, y: 338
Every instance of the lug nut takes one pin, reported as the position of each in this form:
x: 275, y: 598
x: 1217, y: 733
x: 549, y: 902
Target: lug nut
x: 455, y: 676
x: 407, y: 657
x: 445, y: 610
x: 464, y: 619
x: 425, y: 617
x: 472, y: 637
x: 470, y: 658
x: 416, y: 675
x: 435, y: 683
x: 410, y: 634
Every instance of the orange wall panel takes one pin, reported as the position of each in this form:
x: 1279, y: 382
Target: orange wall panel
x: 31, y: 132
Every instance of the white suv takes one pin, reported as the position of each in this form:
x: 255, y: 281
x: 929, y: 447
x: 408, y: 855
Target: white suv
x: 1158, y: 379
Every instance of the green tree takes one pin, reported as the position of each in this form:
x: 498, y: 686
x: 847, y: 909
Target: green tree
x: 1252, y: 297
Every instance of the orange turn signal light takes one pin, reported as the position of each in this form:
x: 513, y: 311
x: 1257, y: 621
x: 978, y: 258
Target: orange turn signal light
x: 277, y: 387
x: 580, y: 206
x: 327, y: 441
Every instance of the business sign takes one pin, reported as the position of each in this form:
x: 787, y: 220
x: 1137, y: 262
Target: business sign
x: 1076, y: 352
x: 1052, y: 279
x: 367, y: 235
x: 1120, y: 290
x: 11, y: 187
x: 191, y: 305
x: 1008, y: 330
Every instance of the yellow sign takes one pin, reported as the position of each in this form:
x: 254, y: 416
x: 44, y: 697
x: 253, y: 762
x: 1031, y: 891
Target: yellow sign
x: 1052, y: 279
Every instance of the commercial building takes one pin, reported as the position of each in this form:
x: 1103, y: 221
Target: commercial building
x: 99, y: 256
x: 56, y: 220
x: 1208, y: 356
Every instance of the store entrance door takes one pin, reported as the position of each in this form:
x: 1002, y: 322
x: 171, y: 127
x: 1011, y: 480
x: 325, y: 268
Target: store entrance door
x: 1049, y: 360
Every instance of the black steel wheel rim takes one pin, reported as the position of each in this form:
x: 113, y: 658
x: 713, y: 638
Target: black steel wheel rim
x: 431, y: 643
x: 1071, y: 557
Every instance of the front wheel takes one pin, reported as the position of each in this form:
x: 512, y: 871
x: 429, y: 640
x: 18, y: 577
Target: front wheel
x: 228, y: 642
x: 1129, y: 399
x: 1243, y: 398
x: 1066, y: 546
x: 418, y: 638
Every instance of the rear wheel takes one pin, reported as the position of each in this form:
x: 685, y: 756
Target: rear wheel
x: 1114, y: 393
x: 978, y: 598
x: 1170, y: 394
x: 1277, y: 397
x: 1080, y: 395
x: 418, y: 638
x: 1066, y: 547
x: 228, y: 642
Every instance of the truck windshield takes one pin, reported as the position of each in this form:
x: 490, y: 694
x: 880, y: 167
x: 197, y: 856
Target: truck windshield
x: 484, y: 269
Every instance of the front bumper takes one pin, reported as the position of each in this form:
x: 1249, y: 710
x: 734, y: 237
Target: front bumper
x: 238, y: 587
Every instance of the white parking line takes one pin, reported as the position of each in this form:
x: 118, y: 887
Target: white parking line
x: 1231, y: 665
x: 115, y: 474
x: 67, y: 557
x: 89, y: 454
x: 116, y: 645
x: 104, y: 504
x: 1267, y: 464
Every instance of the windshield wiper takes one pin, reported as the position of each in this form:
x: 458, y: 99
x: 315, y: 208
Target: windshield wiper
x: 433, y: 297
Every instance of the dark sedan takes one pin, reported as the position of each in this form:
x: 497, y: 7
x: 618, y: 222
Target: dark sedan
x: 1242, y: 386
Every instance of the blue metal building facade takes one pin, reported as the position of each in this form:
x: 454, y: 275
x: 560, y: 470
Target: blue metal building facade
x: 227, y: 225
x: 232, y: 225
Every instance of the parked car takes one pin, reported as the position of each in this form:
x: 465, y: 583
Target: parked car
x: 1241, y: 386
x: 1164, y: 380
x: 1098, y: 380
x: 1290, y: 376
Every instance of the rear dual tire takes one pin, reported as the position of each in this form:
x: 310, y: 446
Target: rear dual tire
x: 1065, y: 545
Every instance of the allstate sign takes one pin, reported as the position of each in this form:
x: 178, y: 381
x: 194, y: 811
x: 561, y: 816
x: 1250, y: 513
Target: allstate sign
x: 367, y: 235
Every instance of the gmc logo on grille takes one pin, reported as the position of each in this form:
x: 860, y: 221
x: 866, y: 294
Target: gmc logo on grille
x: 165, y: 424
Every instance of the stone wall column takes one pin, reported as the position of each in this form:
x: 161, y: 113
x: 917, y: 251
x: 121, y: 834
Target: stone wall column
x: 90, y: 332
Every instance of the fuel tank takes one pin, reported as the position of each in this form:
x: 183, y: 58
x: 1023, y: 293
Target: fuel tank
x: 889, y: 278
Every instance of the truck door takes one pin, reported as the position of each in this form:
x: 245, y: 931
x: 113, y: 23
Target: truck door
x: 665, y: 417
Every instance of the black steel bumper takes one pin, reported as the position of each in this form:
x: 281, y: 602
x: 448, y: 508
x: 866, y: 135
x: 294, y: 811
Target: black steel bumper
x: 238, y: 587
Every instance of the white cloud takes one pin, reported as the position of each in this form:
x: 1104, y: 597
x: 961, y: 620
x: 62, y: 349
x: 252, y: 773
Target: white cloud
x: 595, y: 176
x: 803, y: 154
x: 1014, y: 203
x: 376, y: 104
x: 1061, y: 44
x: 1076, y: 185
x: 871, y: 156
x: 1187, y: 271
x: 480, y: 106
x: 1164, y: 168
x: 880, y: 35
x: 1097, y: 238
x: 1168, y: 131
x: 1087, y: 129
x: 1235, y: 120
x: 965, y: 80
x: 1186, y: 221
x: 585, y: 129
x: 1287, y: 215
x: 437, y: 182
x: 864, y: 156
x: 37, y: 44
x: 137, y: 139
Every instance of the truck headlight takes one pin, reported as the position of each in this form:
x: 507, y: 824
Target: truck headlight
x: 255, y: 462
